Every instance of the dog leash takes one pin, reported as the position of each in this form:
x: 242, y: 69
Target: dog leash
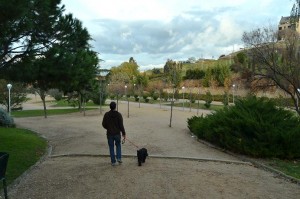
x: 123, y: 141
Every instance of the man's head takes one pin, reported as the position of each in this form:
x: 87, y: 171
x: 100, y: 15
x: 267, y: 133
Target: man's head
x: 112, y: 106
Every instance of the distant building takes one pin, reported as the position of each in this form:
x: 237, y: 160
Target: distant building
x: 286, y: 24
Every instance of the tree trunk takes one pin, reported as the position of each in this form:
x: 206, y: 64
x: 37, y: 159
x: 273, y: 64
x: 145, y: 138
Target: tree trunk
x: 43, y: 97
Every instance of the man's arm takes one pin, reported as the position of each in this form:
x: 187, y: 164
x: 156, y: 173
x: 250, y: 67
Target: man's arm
x: 121, y: 126
x: 104, y: 122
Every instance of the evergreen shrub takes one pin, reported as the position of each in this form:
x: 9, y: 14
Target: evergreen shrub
x: 254, y: 126
x: 5, y: 119
x: 208, y: 99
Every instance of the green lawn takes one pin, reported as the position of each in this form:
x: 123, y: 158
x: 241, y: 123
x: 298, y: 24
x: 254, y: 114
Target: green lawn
x: 24, y: 147
x: 289, y: 167
x: 65, y: 103
x: 187, y: 105
x: 33, y: 113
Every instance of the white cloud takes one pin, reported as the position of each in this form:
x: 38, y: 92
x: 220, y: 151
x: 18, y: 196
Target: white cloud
x: 157, y: 30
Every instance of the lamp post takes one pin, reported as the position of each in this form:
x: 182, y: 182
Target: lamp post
x: 108, y: 93
x: 233, y: 87
x: 134, y: 92
x: 9, y: 87
x: 198, y: 101
x: 100, y: 95
x: 101, y: 77
x: 183, y: 97
x: 190, y: 99
x: 127, y: 101
x: 298, y: 89
x: 172, y: 104
x: 159, y: 99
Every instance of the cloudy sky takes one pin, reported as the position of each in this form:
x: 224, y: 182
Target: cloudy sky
x: 152, y: 31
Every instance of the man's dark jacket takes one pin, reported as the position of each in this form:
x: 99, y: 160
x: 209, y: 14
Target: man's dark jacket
x: 113, y: 123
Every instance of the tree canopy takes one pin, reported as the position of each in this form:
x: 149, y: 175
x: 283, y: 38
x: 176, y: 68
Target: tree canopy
x: 27, y: 28
x: 45, y: 48
x: 275, y: 62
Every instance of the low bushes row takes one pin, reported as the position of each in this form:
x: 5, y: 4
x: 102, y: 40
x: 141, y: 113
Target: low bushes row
x: 254, y: 126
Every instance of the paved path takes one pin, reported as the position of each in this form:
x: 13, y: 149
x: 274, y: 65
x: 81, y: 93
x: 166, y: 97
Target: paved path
x: 178, y: 167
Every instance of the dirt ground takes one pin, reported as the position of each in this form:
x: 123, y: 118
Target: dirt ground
x: 78, y: 165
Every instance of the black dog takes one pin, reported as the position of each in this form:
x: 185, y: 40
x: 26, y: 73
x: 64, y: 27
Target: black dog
x: 142, y: 155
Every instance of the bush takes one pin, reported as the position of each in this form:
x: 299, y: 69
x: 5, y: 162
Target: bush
x: 208, y: 99
x: 136, y: 99
x: 155, y: 96
x: 96, y: 98
x: 56, y: 94
x: 254, y: 127
x: 5, y: 119
x: 145, y: 95
x: 164, y: 95
x: 225, y: 99
x: 112, y: 97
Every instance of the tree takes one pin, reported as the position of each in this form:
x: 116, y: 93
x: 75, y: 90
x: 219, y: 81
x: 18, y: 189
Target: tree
x: 26, y: 28
x: 129, y: 69
x: 174, y: 71
x: 126, y: 73
x: 17, y: 94
x: 68, y: 65
x: 275, y: 62
x: 295, y: 14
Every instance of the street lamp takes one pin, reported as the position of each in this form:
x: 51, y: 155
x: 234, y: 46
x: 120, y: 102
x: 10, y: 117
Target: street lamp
x: 9, y: 87
x: 134, y: 92
x: 101, y: 77
x: 159, y: 98
x: 183, y: 97
x: 190, y: 99
x: 298, y: 89
x: 233, y: 87
x: 127, y: 101
x: 198, y: 101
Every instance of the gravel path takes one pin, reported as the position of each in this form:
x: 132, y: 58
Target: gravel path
x: 178, y: 167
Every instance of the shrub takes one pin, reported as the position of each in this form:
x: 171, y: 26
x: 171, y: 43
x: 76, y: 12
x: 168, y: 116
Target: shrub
x: 136, y: 97
x: 5, y: 119
x: 96, y: 98
x: 254, y: 127
x: 155, y: 96
x: 112, y: 97
x: 164, y: 95
x: 208, y: 99
x: 225, y: 99
x: 56, y: 94
x: 145, y: 95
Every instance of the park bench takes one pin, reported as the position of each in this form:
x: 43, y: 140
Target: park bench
x: 3, y: 165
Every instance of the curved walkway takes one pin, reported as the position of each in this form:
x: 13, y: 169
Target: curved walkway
x: 179, y: 166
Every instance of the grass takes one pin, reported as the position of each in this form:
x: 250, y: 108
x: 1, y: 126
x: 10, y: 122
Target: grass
x: 34, y: 113
x: 213, y: 107
x: 65, y: 103
x: 24, y: 147
x: 289, y: 167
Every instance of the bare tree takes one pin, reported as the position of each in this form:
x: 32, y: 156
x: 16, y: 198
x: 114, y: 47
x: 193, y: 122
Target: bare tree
x: 275, y: 62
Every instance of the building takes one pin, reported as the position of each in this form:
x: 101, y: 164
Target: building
x: 286, y: 24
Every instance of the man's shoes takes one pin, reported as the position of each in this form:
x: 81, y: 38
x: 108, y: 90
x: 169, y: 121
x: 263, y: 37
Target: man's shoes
x: 114, y: 164
x: 120, y: 161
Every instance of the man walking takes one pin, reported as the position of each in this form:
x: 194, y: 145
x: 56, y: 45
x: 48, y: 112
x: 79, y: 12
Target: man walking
x: 113, y: 123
